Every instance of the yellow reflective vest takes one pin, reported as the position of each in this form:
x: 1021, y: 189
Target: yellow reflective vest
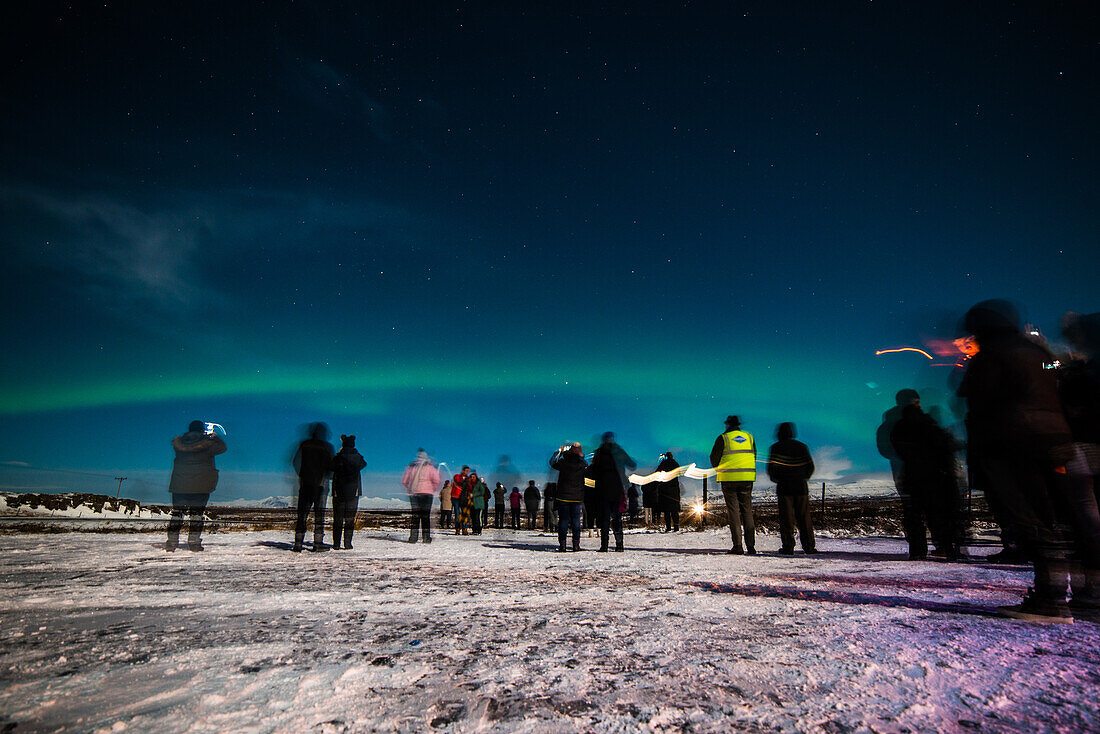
x: 738, y: 462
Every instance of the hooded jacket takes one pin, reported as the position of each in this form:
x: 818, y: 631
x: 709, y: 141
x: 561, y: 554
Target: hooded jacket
x: 346, y: 466
x: 193, y: 469
x: 789, y: 463
x: 1011, y: 397
x: 668, y: 491
x: 421, y: 476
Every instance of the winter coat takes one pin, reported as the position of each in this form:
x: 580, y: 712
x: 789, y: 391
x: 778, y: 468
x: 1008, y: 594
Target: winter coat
x: 477, y: 496
x: 668, y: 491
x: 1079, y: 390
x: 927, y: 451
x: 421, y: 477
x: 531, y: 497
x: 459, y: 485
x: 606, y: 470
x: 571, y: 468
x: 346, y: 466
x: 515, y: 498
x: 445, y: 498
x: 632, y: 499
x: 789, y: 464
x: 1012, y: 398
x: 193, y: 469
x: 498, y: 496
x: 313, y: 461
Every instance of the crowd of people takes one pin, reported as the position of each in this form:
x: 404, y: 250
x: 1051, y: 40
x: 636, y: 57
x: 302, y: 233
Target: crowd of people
x: 1031, y: 445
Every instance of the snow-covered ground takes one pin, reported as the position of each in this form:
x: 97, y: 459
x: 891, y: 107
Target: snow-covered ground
x: 497, y: 633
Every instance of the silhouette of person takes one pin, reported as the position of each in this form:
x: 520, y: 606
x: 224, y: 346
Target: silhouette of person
x: 313, y: 462
x: 194, y: 477
x: 1015, y: 419
x: 790, y: 466
x: 347, y: 488
x: 734, y: 456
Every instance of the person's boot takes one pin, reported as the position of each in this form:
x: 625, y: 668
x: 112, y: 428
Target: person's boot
x: 298, y: 539
x: 172, y: 543
x: 319, y: 544
x: 1035, y: 608
x: 576, y: 546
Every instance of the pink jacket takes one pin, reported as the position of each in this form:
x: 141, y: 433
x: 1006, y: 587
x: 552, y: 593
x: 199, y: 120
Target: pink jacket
x: 421, y: 477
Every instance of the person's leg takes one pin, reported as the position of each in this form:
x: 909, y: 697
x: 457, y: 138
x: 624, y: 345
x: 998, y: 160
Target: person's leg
x: 575, y: 511
x: 415, y: 520
x: 733, y: 512
x: 563, y: 528
x: 319, y: 520
x: 617, y: 526
x: 337, y: 519
x: 785, y: 504
x: 744, y: 497
x: 350, y: 510
x: 305, y: 502
x: 179, y: 508
x: 196, y: 506
x: 605, y: 524
x: 805, y: 523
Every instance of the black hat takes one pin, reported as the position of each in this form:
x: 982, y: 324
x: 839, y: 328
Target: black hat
x: 347, y: 441
x: 733, y: 421
x: 196, y: 427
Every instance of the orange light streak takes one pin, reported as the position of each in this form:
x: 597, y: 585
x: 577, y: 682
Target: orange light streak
x: 903, y: 349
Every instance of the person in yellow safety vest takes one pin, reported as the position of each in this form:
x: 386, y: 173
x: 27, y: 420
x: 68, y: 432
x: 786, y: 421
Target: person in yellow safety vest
x: 734, y: 456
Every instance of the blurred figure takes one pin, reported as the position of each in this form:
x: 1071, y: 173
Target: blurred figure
x: 313, y: 462
x: 500, y: 493
x: 531, y: 499
x: 420, y: 480
x: 347, y: 488
x: 927, y: 455
x: 460, y: 499
x: 194, y: 477
x: 790, y: 466
x: 515, y: 501
x: 734, y: 456
x: 912, y: 516
x: 1079, y: 389
x: 549, y: 509
x: 486, y: 496
x: 608, y: 469
x: 1016, y: 422
x: 650, y: 510
x: 570, y: 464
x: 478, y: 492
x: 633, y: 508
x: 445, y: 505
x: 668, y: 493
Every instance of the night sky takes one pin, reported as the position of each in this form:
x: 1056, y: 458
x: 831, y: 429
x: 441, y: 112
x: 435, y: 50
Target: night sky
x: 486, y: 232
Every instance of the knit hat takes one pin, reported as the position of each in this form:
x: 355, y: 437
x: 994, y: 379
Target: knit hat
x: 348, y: 441
x: 733, y: 421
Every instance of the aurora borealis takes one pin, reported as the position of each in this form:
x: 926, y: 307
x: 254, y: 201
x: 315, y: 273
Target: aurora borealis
x: 488, y: 231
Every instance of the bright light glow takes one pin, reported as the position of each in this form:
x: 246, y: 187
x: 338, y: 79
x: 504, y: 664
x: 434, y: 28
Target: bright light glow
x: 903, y: 349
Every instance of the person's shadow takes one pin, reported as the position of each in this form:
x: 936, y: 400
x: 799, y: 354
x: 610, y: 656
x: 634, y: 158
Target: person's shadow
x: 843, y: 597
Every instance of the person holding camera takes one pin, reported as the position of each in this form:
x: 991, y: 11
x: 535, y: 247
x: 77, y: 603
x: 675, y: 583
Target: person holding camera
x: 194, y: 477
